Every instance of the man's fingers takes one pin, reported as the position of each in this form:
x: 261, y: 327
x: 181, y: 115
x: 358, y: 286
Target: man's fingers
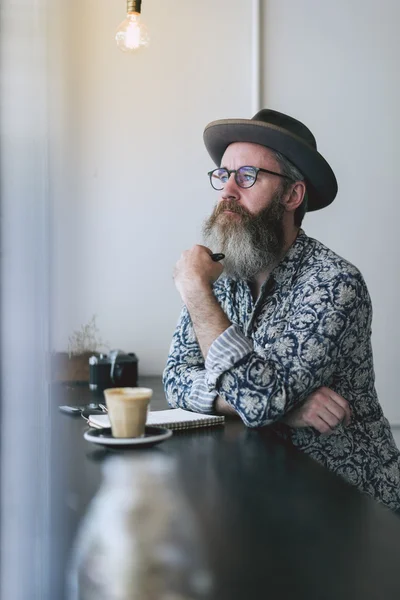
x: 315, y: 418
x: 321, y: 426
x: 324, y: 410
x: 204, y: 248
x: 330, y: 418
x: 336, y: 410
x: 339, y: 401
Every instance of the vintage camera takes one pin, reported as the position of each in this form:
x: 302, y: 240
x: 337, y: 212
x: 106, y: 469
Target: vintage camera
x: 116, y: 369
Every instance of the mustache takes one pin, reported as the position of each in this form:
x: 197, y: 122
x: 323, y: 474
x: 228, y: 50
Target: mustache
x: 233, y: 206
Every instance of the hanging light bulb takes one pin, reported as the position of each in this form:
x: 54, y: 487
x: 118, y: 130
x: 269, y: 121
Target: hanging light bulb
x: 132, y: 34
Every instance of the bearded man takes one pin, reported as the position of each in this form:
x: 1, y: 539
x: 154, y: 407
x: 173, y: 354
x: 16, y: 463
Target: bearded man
x: 279, y: 334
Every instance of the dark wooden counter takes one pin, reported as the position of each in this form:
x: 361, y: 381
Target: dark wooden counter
x: 275, y: 523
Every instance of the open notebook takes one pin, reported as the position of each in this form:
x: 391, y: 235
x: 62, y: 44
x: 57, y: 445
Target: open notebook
x: 174, y: 418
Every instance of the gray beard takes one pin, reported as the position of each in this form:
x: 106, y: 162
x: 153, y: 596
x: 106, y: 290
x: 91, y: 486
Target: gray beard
x: 252, y: 243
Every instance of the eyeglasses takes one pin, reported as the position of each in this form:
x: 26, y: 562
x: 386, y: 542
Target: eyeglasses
x: 245, y: 177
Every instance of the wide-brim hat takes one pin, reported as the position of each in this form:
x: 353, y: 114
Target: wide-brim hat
x: 285, y: 135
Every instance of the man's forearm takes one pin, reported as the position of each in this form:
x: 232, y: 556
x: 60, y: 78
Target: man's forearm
x: 208, y: 318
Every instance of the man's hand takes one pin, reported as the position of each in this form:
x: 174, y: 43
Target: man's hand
x: 195, y: 271
x: 194, y: 274
x: 223, y: 408
x: 323, y: 410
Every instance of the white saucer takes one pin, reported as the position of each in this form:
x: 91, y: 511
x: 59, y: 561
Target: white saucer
x: 104, y: 437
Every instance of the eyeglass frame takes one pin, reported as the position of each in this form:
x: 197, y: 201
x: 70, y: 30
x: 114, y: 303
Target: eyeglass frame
x: 257, y: 170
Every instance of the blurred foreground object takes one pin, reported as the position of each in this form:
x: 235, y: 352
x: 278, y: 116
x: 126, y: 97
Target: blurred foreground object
x: 139, y: 539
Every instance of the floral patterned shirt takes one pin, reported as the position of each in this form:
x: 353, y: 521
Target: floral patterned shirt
x: 310, y: 327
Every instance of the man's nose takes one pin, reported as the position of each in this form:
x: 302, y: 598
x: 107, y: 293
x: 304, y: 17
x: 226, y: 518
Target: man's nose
x: 231, y: 189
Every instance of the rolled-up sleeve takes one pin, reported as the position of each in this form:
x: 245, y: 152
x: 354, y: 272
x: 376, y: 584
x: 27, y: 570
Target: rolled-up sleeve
x: 184, y: 376
x: 225, y: 352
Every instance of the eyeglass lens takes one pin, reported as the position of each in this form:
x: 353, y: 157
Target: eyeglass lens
x: 245, y: 177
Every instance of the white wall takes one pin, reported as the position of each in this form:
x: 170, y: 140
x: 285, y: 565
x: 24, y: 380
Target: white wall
x: 126, y: 123
x: 130, y: 188
x: 334, y: 65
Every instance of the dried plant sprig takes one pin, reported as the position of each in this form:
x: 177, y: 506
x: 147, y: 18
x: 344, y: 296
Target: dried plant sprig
x: 87, y: 339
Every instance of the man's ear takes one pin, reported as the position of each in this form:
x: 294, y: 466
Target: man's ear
x: 295, y: 195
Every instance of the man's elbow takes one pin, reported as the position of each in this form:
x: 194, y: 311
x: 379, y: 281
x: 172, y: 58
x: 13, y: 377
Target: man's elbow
x: 170, y: 390
x: 260, y: 413
x: 172, y: 397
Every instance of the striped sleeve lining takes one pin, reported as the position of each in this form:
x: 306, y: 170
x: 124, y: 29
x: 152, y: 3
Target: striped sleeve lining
x: 229, y: 347
x: 202, y: 398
